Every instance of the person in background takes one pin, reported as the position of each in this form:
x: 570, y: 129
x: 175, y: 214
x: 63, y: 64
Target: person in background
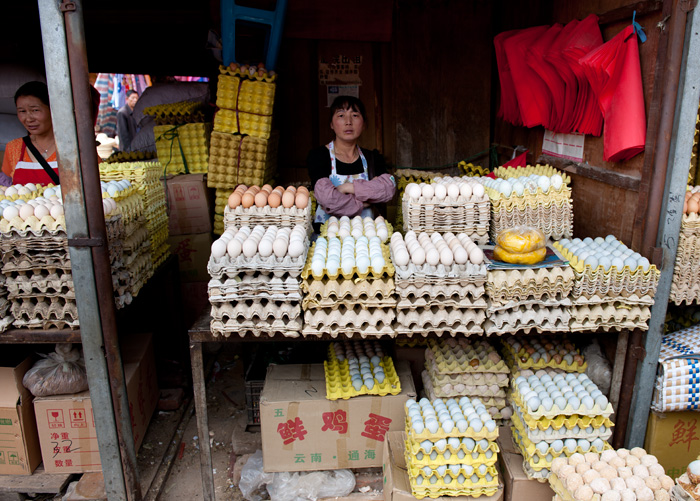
x: 348, y: 180
x: 32, y: 159
x: 126, y: 123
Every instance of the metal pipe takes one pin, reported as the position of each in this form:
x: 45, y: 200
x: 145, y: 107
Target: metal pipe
x: 669, y: 228
x: 626, y: 388
x: 59, y: 83
x: 75, y: 40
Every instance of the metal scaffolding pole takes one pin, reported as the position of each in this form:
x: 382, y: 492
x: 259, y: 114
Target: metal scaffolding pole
x: 669, y: 225
x: 67, y: 79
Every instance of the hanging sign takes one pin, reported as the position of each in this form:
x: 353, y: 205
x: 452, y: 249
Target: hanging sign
x: 569, y: 146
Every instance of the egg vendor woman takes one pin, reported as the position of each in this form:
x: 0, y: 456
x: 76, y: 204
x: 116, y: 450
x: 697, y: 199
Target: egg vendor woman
x: 348, y: 180
x: 32, y: 158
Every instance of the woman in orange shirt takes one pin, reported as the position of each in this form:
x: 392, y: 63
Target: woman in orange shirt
x: 32, y: 159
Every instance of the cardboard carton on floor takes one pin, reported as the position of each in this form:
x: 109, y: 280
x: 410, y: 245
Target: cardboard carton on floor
x: 302, y: 430
x: 396, y: 483
x: 188, y: 204
x: 66, y: 422
x: 517, y: 485
x: 674, y: 438
x: 193, y: 255
x: 19, y: 441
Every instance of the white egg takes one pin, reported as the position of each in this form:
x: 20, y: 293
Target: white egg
x: 478, y: 190
x: 26, y: 211
x: 427, y: 191
x: 10, y: 212
x: 452, y: 190
x: 440, y: 191
x: 218, y: 249
x: 41, y: 211
x: 296, y: 248
x: 632, y: 263
x: 543, y: 183
x: 56, y: 211
x: 476, y: 255
x: 432, y: 257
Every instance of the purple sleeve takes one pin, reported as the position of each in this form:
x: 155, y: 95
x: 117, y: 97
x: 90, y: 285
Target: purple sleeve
x: 5, y: 180
x: 381, y: 189
x: 334, y: 202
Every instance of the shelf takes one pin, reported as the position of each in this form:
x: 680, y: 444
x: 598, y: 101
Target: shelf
x: 37, y: 336
x: 38, y: 482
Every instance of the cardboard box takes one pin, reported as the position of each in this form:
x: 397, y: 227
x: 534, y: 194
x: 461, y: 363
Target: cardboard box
x: 396, y: 482
x: 19, y: 440
x: 674, y: 438
x: 66, y: 422
x: 188, y: 204
x: 415, y: 356
x: 193, y: 253
x: 517, y: 485
x: 302, y: 430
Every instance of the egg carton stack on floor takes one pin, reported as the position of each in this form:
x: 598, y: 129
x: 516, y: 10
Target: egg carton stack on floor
x: 471, y: 368
x: 349, y: 282
x: 536, y: 196
x: 448, y: 204
x: 526, y: 299
x: 440, y: 284
x: 451, y: 448
x: 357, y: 368
x: 255, y: 286
x: 614, y: 287
x: 686, y: 273
x: 548, y: 425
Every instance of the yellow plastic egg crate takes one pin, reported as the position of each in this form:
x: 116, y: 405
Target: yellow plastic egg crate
x: 243, y: 123
x: 539, y: 198
x: 555, y: 411
x: 131, y: 208
x: 136, y: 172
x: 339, y: 385
x: 267, y: 216
x: 406, y: 176
x: 236, y: 159
x: 29, y: 196
x: 539, y: 462
x: 636, y: 277
x: 245, y: 94
x: 440, y: 433
x: 471, y: 170
x: 128, y: 156
x: 540, y: 170
x: 181, y: 112
x: 185, y: 144
x: 388, y: 270
x: 437, y: 485
x: 417, y: 455
x: 523, y: 361
x: 449, y: 360
x: 604, y: 431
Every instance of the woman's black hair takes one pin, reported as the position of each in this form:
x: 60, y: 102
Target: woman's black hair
x: 348, y: 103
x: 34, y: 89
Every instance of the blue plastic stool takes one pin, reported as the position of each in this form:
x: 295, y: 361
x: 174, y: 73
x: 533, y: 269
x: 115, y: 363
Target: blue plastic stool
x: 231, y: 12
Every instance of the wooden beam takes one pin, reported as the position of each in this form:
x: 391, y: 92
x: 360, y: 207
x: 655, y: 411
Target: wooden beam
x: 643, y: 8
x: 601, y: 174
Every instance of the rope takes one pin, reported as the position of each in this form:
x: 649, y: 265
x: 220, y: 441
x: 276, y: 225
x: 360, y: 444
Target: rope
x: 172, y: 134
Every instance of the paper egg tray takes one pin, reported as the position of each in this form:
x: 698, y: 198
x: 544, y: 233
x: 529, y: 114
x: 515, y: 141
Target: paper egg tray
x: 235, y: 159
x: 554, y: 221
x: 267, y: 216
x: 339, y: 385
x: 468, y: 215
x: 690, y: 224
x: 440, y: 320
x: 256, y: 327
x: 246, y: 283
x: 527, y: 319
x: 490, y: 397
x: 466, y: 273
x: 446, y: 358
x: 261, y: 309
x: 603, y: 432
x: 254, y: 96
x: 609, y: 316
x: 5, y: 323
x: 232, y: 122
x: 506, y: 285
x: 33, y: 226
x: 227, y: 266
x: 569, y: 410
x: 328, y: 293
x: 44, y: 312
x: 406, y: 176
x: 417, y: 456
x: 41, y: 288
x: 499, y: 201
x: 492, y: 381
x: 440, y: 488
x: 631, y: 300
x: 441, y: 292
x: 190, y: 140
x: 369, y: 274
x: 426, y: 303
x: 541, y: 170
x: 355, y: 318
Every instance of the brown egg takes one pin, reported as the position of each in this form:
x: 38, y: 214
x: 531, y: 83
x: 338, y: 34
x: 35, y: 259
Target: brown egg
x: 241, y: 188
x: 301, y: 200
x: 279, y: 190
x: 695, y: 196
x: 234, y: 200
x: 292, y: 189
x: 248, y: 200
x: 693, y: 205
x: 274, y: 199
x: 303, y: 189
x: 261, y: 198
x: 685, y: 207
x: 288, y: 199
x: 267, y: 188
x: 254, y: 190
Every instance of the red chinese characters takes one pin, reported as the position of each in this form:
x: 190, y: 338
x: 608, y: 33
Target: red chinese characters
x: 376, y: 427
x: 684, y: 432
x: 291, y: 430
x: 335, y: 421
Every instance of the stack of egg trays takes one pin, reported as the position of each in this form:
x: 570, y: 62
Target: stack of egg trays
x: 245, y: 103
x: 339, y: 384
x: 677, y: 386
x: 256, y: 296
x: 613, y: 299
x: 220, y: 205
x: 469, y: 215
x: 366, y: 303
x: 526, y: 299
x: 181, y: 112
x: 5, y: 317
x: 450, y: 372
x: 238, y: 159
x: 136, y: 244
x: 267, y: 216
x: 440, y: 299
x: 405, y: 177
x: 527, y: 353
x: 454, y: 462
x: 686, y: 273
x: 547, y: 428
x: 183, y: 149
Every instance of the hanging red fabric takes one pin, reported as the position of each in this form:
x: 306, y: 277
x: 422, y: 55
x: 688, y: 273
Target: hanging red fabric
x: 508, y: 109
